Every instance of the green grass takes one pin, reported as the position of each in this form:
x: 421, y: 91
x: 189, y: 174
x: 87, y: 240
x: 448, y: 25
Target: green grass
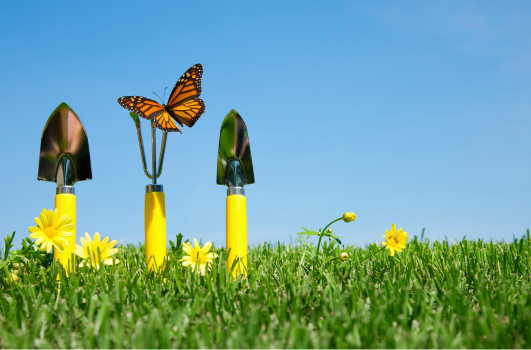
x: 437, y: 295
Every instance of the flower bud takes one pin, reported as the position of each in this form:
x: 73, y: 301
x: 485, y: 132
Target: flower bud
x: 16, y: 266
x: 329, y: 230
x: 348, y: 217
x: 343, y: 256
x: 14, y: 278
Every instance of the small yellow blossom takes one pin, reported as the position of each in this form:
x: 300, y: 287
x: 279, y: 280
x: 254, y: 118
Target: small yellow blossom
x: 90, y: 249
x: 199, y: 255
x: 348, y: 217
x: 51, y: 230
x: 13, y: 277
x: 395, y: 240
x: 343, y: 256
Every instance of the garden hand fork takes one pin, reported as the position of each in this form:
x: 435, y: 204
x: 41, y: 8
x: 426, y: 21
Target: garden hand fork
x: 154, y: 202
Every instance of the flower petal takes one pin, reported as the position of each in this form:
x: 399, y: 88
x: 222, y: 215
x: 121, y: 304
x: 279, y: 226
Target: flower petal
x: 36, y: 235
x: 196, y: 245
x: 110, y: 261
x: 103, y: 243
x: 206, y: 247
x: 49, y: 217
x: 187, y: 248
x: 39, y: 223
x: 96, y: 240
x: 34, y: 229
x: 44, y: 218
x: 49, y: 246
x: 89, y: 240
x: 82, y: 253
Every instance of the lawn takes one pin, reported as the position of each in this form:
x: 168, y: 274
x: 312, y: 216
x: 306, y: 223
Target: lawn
x: 471, y: 294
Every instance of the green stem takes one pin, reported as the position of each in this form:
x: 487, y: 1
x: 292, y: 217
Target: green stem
x: 373, y: 254
x: 321, y: 237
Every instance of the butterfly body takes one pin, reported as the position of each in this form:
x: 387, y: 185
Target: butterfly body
x: 184, y: 105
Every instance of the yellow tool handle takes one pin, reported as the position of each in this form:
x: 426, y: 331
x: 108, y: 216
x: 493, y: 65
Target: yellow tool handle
x: 237, y: 233
x: 65, y: 203
x: 155, y: 225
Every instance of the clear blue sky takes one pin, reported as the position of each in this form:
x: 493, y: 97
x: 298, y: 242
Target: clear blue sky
x: 414, y: 113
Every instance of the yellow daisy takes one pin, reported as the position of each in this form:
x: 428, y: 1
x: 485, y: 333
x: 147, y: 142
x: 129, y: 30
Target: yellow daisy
x: 89, y: 251
x: 51, y: 230
x: 198, y: 254
x: 395, y: 240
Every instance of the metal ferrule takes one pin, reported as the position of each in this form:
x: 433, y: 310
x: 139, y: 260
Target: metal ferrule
x: 65, y: 189
x: 235, y: 190
x: 154, y: 188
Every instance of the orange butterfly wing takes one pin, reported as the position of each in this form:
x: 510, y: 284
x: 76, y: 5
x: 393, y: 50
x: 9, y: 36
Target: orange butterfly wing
x: 188, y: 112
x: 183, y: 102
x: 165, y: 122
x: 188, y: 86
x: 149, y: 109
x: 142, y: 106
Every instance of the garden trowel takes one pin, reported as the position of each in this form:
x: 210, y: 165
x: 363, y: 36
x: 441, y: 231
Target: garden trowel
x: 65, y: 159
x: 235, y: 169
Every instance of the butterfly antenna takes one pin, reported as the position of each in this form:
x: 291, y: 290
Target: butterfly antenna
x: 164, y: 92
x: 159, y: 98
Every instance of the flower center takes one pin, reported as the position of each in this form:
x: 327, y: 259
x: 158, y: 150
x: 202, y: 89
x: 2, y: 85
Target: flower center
x: 393, y: 241
x: 200, y: 257
x: 50, y: 231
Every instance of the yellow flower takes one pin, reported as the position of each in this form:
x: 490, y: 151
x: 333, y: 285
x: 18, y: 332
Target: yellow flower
x: 90, y: 249
x: 395, y: 240
x: 51, y: 230
x: 13, y: 277
x: 343, y: 256
x: 348, y: 217
x: 198, y: 254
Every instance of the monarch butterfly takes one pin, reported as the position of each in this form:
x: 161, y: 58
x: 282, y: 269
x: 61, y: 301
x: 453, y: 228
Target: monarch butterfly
x: 184, y: 104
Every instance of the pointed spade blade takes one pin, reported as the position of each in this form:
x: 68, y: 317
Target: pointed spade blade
x: 234, y: 145
x: 64, y: 149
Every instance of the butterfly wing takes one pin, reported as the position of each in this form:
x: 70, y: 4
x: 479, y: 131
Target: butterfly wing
x: 188, y: 86
x: 142, y: 106
x: 183, y: 102
x: 149, y: 109
x: 188, y: 112
x: 165, y: 122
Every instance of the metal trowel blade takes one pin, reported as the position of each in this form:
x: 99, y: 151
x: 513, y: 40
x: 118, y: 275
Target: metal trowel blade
x: 234, y: 145
x: 64, y: 156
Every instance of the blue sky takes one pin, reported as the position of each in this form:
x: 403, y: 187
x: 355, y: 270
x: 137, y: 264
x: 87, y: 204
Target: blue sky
x: 414, y: 113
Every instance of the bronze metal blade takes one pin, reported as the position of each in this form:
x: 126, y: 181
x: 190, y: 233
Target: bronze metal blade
x: 64, y: 156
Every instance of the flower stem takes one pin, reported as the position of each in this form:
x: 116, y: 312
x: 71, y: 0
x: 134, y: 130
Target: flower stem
x: 321, y: 237
x: 373, y: 254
